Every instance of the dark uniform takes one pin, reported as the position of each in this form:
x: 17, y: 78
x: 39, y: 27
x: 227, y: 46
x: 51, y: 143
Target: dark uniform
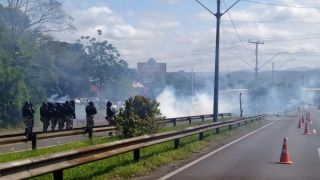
x: 44, y: 116
x: 73, y: 104
x: 68, y: 115
x: 90, y: 112
x: 110, y: 113
x: 27, y: 113
x: 51, y: 115
x: 60, y: 116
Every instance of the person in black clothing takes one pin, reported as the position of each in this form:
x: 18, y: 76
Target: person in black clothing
x: 68, y: 114
x: 44, y: 116
x: 90, y: 112
x: 73, y: 104
x: 60, y: 116
x: 51, y: 115
x: 110, y: 113
x: 27, y: 113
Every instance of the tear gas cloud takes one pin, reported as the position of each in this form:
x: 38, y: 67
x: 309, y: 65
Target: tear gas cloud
x: 173, y: 105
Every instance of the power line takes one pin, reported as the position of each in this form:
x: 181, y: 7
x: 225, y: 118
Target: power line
x: 273, y: 22
x: 236, y: 31
x: 281, y: 5
x: 257, y: 43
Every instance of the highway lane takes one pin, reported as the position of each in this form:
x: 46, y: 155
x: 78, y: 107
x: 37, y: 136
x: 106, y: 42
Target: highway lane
x: 256, y: 156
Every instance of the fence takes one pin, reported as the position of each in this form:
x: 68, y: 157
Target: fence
x: 58, y: 162
x: 21, y: 137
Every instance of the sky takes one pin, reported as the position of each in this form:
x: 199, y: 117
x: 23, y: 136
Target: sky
x: 181, y: 33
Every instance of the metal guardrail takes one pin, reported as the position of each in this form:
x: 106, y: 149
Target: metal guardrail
x: 56, y: 163
x: 20, y: 137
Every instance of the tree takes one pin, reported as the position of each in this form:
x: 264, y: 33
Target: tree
x: 105, y: 67
x: 139, y: 116
x: 40, y: 16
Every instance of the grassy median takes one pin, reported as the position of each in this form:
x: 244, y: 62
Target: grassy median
x: 5, y: 157
x: 123, y: 166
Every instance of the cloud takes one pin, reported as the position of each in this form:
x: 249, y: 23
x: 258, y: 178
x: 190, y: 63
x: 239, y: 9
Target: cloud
x: 173, y: 1
x: 156, y: 32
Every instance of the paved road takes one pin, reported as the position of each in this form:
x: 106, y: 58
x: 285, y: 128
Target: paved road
x: 255, y: 157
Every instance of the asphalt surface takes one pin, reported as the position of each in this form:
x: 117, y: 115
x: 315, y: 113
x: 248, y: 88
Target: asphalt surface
x: 256, y: 157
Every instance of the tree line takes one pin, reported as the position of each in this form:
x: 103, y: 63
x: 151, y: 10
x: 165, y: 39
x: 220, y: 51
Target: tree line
x: 33, y: 65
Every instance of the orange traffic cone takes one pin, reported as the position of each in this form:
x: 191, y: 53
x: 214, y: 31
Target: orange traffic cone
x: 285, y: 156
x: 306, y: 129
x: 299, y: 124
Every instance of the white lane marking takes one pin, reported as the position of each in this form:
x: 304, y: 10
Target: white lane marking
x: 314, y: 131
x: 213, y: 152
x: 319, y: 152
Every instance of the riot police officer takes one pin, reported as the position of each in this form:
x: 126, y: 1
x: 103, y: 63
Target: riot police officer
x: 68, y: 115
x: 90, y: 112
x: 110, y: 113
x: 44, y: 116
x: 60, y: 116
x: 51, y: 115
x: 27, y: 113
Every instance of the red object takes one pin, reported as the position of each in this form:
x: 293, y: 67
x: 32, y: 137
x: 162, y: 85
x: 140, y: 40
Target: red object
x: 285, y: 156
x: 300, y: 124
x: 306, y: 129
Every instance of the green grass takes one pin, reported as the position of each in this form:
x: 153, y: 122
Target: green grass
x: 123, y: 166
x: 43, y: 151
x: 79, y: 144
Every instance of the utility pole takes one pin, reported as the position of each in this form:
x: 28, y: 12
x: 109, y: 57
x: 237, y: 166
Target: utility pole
x: 272, y: 72
x: 192, y: 85
x: 216, y: 67
x: 218, y: 15
x: 241, y: 111
x: 257, y: 62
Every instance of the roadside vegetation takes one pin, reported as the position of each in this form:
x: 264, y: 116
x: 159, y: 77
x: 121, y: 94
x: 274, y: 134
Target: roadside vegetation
x: 123, y: 166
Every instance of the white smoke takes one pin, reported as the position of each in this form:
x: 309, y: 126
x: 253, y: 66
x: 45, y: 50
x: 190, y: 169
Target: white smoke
x: 172, y: 105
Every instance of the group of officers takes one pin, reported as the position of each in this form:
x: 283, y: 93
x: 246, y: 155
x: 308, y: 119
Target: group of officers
x: 62, y: 114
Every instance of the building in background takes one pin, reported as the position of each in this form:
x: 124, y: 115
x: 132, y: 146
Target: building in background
x: 151, y: 75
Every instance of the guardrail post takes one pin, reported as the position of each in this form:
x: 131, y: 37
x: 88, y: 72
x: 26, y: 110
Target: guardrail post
x: 110, y: 133
x: 34, y: 141
x: 217, y: 130
x: 90, y: 130
x: 176, y: 143
x: 246, y: 122
x: 202, y: 118
x: 58, y: 175
x: 174, y: 122
x: 239, y: 124
x: 201, y: 136
x: 189, y: 118
x: 230, y: 127
x: 136, y: 155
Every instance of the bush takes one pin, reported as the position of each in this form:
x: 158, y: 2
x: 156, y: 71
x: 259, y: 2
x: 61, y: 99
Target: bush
x: 139, y: 116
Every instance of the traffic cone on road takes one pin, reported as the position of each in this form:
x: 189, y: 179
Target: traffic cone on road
x: 306, y: 129
x: 285, y: 156
x: 299, y: 124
